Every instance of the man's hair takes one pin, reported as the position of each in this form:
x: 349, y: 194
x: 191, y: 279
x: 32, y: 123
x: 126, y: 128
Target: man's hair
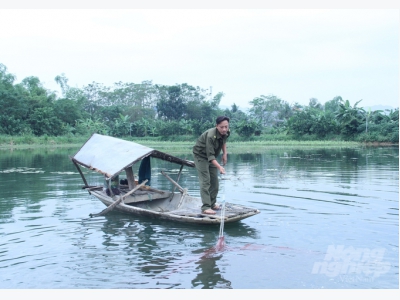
x: 221, y: 118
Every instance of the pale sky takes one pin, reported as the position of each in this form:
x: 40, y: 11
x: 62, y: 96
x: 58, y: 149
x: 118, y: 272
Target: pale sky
x: 294, y: 54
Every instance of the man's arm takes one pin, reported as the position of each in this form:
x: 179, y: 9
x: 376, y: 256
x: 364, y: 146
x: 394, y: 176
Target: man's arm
x: 220, y: 168
x: 224, y: 155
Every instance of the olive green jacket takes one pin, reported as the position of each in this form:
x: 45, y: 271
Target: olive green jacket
x: 209, y: 144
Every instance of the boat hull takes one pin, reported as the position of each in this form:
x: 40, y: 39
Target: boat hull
x: 177, y: 207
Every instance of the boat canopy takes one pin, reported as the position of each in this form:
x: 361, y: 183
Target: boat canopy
x: 110, y: 156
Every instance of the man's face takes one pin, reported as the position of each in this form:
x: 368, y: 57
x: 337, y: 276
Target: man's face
x: 223, y: 127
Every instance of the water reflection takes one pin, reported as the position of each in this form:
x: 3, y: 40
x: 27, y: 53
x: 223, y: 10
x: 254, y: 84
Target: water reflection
x: 164, y: 251
x: 209, y: 274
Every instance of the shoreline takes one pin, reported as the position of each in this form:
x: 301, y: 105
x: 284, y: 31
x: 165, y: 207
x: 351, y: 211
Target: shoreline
x: 183, y: 147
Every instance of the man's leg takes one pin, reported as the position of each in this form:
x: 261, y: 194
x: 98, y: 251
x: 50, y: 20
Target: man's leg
x: 214, y: 184
x: 202, y: 166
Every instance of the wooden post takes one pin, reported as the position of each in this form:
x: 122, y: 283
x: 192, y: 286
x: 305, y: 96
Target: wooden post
x: 80, y: 172
x: 109, y: 187
x: 130, y: 177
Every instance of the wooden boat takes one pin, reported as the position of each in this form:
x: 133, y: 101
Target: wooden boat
x: 113, y: 157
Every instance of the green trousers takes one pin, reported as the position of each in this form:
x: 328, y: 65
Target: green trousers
x: 208, y: 179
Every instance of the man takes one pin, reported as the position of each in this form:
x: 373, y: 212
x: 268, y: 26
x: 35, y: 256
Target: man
x: 205, y: 152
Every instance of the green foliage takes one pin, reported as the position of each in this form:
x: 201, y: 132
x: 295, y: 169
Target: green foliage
x: 173, y: 106
x: 184, y: 101
x: 68, y: 111
x: 200, y: 126
x: 44, y: 122
x: 35, y: 89
x: 136, y: 113
x: 13, y: 100
x: 247, y: 128
x: 108, y: 114
x: 197, y: 108
x: 314, y: 104
x: 350, y: 118
x: 237, y: 116
x: 121, y: 126
x: 331, y: 107
x: 311, y: 121
x: 169, y: 128
x: 270, y: 110
x: 13, y: 112
x: 181, y: 111
x: 89, y: 126
x: 6, y: 79
x: 380, y: 127
x: 11, y: 125
x: 142, y: 128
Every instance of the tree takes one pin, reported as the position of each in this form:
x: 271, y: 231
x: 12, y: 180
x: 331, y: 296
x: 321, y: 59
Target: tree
x: 121, y: 126
x: 6, y: 79
x: 247, y: 128
x: 350, y: 117
x: 62, y: 81
x: 312, y: 121
x: 314, y: 103
x: 332, y: 106
x: 270, y: 110
x: 238, y: 118
x: 14, y: 111
x: 171, y: 107
x: 234, y: 108
x: 68, y: 111
x: 43, y: 121
x: 89, y: 126
x: 216, y: 100
x: 36, y: 90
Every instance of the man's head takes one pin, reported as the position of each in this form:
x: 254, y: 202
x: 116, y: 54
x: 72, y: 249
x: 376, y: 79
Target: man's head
x: 222, y: 124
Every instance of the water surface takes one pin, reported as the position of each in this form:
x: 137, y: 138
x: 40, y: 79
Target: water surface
x: 329, y: 220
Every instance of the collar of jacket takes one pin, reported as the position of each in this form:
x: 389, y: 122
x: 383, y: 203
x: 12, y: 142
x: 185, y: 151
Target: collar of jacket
x: 217, y: 135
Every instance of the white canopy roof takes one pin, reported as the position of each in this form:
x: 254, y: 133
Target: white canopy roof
x: 110, y: 156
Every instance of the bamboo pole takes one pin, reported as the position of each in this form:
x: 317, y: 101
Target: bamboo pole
x: 80, y: 172
x: 173, y: 181
x: 177, y: 180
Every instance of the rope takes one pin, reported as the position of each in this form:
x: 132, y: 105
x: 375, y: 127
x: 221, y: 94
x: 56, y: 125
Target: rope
x: 221, y: 228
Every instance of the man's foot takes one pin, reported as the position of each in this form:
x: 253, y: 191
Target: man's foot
x: 216, y: 207
x: 208, y: 212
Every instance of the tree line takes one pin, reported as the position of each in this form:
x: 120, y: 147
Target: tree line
x: 161, y: 111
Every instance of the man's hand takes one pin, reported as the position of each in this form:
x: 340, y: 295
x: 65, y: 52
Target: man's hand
x: 224, y: 159
x: 221, y: 169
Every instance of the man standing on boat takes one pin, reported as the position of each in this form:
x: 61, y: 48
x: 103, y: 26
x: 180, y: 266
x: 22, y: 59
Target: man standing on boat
x: 205, y: 151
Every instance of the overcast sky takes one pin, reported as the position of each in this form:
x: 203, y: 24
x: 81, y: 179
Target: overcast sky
x: 294, y: 54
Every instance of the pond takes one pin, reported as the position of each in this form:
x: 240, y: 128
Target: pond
x: 329, y: 219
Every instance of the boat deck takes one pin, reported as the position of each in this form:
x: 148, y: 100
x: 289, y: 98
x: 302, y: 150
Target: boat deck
x: 231, y: 211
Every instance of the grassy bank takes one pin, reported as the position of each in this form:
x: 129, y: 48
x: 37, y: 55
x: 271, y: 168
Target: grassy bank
x: 174, y: 144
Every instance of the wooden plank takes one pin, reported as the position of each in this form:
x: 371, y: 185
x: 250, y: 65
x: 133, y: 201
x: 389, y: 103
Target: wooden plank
x: 147, y: 188
x: 94, y: 188
x: 188, y: 213
x: 216, y: 216
x: 144, y: 197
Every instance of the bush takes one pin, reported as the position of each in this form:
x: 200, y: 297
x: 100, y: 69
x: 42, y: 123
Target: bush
x: 394, y: 137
